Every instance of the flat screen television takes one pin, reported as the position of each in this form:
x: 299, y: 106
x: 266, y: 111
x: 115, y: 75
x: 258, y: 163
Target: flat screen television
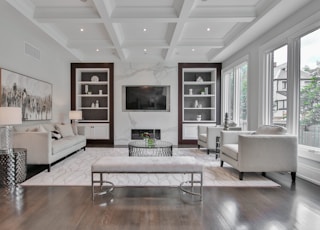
x: 146, y: 98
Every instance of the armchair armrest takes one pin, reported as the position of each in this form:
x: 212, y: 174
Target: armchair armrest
x: 268, y: 153
x: 38, y: 145
x: 231, y: 137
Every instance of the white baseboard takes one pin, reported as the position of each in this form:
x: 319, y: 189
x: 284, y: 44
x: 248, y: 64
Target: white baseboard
x: 309, y: 170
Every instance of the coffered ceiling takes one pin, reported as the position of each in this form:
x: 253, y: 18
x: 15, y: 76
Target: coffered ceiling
x: 155, y: 30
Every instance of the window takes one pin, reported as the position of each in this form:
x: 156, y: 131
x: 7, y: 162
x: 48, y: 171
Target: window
x: 309, y: 93
x: 235, y: 94
x: 278, y: 63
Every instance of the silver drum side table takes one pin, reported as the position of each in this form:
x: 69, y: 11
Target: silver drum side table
x: 13, y: 167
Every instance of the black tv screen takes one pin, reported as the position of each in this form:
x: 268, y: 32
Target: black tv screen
x: 147, y: 98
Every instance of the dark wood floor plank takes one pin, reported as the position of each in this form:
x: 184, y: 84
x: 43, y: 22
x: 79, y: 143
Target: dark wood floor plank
x: 154, y: 208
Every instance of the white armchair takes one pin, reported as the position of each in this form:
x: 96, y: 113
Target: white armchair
x: 207, y: 137
x: 261, y: 152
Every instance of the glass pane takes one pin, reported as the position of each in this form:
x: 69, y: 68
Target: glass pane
x: 243, y: 84
x: 309, y: 128
x: 230, y: 93
x: 279, y: 87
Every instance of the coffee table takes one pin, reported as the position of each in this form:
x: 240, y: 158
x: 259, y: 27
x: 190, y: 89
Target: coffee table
x: 141, y: 148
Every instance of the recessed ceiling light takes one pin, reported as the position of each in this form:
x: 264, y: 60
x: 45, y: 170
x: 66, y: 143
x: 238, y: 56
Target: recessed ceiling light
x: 144, y: 29
x: 97, y: 50
x: 208, y: 29
x: 193, y: 49
x: 81, y: 29
x: 145, y: 50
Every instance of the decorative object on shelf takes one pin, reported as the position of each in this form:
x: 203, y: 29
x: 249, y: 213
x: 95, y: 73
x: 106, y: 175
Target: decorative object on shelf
x: 8, y: 116
x: 97, y: 103
x: 196, y: 103
x: 190, y: 92
x: 92, y: 105
x: 89, y: 93
x: 198, y: 117
x: 100, y: 91
x: 95, y: 78
x: 226, y: 122
x: 202, y: 92
x: 86, y: 89
x: 199, y: 79
x: 200, y: 105
x: 206, y: 90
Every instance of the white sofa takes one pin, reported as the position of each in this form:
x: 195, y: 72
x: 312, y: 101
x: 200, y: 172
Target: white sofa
x: 266, y: 150
x: 42, y: 149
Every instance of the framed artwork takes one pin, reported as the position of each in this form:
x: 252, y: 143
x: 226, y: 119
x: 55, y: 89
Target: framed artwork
x: 32, y: 95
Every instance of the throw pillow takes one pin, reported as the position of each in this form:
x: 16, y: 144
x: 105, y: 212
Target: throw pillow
x: 49, y: 127
x: 271, y: 130
x: 55, y: 135
x: 65, y: 130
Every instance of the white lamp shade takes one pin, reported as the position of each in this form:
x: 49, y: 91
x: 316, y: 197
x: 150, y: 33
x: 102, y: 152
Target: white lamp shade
x: 75, y: 115
x: 10, y: 115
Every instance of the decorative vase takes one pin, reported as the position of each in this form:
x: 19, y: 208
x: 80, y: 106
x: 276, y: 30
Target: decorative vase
x: 151, y: 142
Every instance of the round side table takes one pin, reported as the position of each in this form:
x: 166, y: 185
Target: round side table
x: 13, y: 167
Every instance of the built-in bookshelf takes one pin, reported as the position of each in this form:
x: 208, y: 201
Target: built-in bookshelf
x: 199, y: 98
x: 92, y: 93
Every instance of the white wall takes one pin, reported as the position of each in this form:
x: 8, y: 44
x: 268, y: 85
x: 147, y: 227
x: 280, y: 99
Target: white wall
x: 54, y: 63
x: 145, y: 74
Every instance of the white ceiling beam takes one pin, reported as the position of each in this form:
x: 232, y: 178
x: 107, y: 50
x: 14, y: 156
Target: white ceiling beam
x: 226, y: 14
x: 144, y: 12
x: 213, y: 43
x: 146, y: 44
x: 185, y: 12
x: 70, y: 14
x: 113, y: 31
x: 90, y: 44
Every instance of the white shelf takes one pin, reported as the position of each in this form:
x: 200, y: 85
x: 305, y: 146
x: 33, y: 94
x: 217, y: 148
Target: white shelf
x: 94, y: 108
x: 198, y: 83
x: 93, y: 82
x: 199, y: 95
x: 204, y: 108
x: 92, y: 95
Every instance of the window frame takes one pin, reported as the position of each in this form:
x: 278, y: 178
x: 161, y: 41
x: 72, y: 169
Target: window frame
x: 291, y: 38
x: 234, y: 69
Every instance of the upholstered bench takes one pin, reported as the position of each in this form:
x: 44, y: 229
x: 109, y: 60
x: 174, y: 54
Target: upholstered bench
x: 172, y: 165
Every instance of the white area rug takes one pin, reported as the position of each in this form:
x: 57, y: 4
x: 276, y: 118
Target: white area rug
x: 76, y: 171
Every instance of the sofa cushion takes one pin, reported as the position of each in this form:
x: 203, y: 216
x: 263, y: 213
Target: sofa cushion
x: 65, y: 130
x: 49, y: 127
x: 231, y: 150
x: 66, y: 142
x: 271, y: 130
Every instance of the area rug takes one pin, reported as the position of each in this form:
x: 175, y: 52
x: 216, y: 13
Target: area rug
x: 76, y: 171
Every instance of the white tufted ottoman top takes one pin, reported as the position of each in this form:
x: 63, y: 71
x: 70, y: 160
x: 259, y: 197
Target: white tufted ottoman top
x: 147, y: 164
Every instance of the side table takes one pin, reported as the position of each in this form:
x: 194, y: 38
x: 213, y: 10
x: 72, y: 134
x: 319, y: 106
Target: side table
x: 13, y: 167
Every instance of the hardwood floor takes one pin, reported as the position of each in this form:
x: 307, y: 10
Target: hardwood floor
x: 59, y: 208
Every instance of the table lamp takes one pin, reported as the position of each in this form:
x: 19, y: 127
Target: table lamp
x: 75, y: 115
x: 8, y: 116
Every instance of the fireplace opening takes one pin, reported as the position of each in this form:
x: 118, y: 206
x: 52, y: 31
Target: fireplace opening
x: 137, y: 134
